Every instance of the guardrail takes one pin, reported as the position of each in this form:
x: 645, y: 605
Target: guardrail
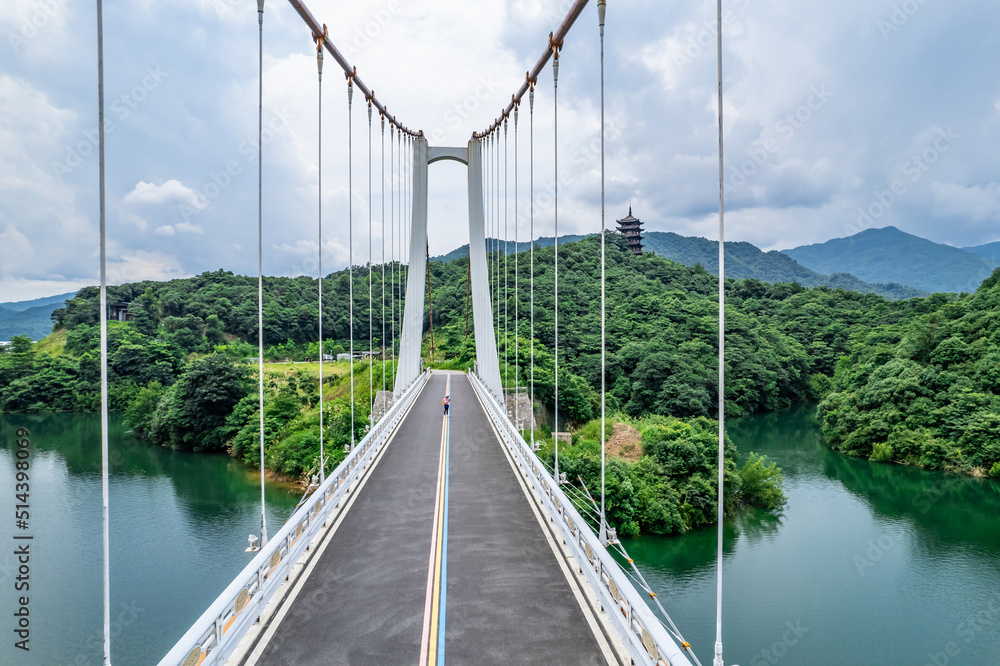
x: 643, y: 635
x: 216, y: 634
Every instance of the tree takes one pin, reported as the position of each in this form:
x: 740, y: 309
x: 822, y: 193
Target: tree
x: 192, y: 413
x: 139, y: 413
x: 951, y: 350
x: 760, y: 483
x: 21, y: 345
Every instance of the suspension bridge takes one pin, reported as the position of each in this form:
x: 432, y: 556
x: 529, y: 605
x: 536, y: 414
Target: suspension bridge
x: 441, y: 535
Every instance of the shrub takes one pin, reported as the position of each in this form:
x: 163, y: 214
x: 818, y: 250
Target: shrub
x: 761, y: 483
x: 881, y: 452
x: 935, y: 454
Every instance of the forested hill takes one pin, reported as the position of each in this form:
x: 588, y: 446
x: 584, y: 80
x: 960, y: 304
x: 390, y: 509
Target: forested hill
x: 661, y: 331
x: 178, y: 368
x: 511, y: 247
x: 219, y: 307
x: 662, y: 319
x: 891, y: 255
x: 927, y: 391
x: 913, y: 380
x: 743, y: 260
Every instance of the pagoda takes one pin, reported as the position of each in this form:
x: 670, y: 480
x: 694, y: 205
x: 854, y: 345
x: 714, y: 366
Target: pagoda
x: 631, y: 229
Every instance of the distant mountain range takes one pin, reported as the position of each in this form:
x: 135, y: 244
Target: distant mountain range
x: 990, y: 252
x: 888, y: 262
x: 891, y: 255
x: 743, y: 260
x: 523, y: 246
x: 32, y: 318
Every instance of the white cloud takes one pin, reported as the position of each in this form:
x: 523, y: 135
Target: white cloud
x: 187, y: 228
x: 42, y: 209
x: 976, y: 203
x: 13, y: 290
x: 172, y: 191
x: 141, y: 223
x: 182, y: 166
x: 16, y: 250
x: 142, y: 265
x: 174, y: 229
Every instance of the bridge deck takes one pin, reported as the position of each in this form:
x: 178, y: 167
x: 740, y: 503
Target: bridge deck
x: 506, y: 599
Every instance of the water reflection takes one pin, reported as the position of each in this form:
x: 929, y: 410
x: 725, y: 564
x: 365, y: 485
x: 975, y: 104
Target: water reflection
x: 179, y: 523
x: 947, y: 512
x: 878, y: 564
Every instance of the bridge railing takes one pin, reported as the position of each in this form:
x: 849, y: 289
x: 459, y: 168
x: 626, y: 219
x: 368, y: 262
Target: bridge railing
x: 647, y: 641
x: 216, y: 634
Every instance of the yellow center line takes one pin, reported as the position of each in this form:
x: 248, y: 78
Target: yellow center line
x: 429, y: 639
x: 436, y: 600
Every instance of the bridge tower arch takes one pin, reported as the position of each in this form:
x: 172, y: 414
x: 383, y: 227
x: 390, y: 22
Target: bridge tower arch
x: 416, y: 284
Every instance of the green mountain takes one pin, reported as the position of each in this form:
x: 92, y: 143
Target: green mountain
x: 55, y: 301
x: 177, y: 368
x: 32, y: 318
x: 743, y: 261
x: 925, y: 391
x: 523, y: 246
x: 891, y: 255
x: 660, y: 351
x: 990, y: 252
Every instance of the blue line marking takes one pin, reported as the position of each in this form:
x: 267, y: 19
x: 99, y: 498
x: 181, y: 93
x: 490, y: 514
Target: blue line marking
x: 444, y: 544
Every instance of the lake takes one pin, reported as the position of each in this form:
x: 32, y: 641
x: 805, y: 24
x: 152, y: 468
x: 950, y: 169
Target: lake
x: 867, y: 564
x: 179, y: 527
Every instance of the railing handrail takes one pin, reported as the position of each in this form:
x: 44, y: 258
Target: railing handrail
x: 647, y: 641
x: 216, y: 618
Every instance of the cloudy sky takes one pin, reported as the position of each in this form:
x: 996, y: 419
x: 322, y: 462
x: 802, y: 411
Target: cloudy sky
x: 839, y: 116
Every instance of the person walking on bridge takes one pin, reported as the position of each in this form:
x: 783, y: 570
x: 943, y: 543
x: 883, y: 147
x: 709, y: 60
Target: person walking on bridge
x: 447, y: 403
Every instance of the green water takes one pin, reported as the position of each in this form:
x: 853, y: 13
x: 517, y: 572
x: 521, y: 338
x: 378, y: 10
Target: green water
x: 179, y: 525
x: 867, y: 564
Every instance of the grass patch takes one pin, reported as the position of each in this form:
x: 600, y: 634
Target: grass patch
x: 54, y: 344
